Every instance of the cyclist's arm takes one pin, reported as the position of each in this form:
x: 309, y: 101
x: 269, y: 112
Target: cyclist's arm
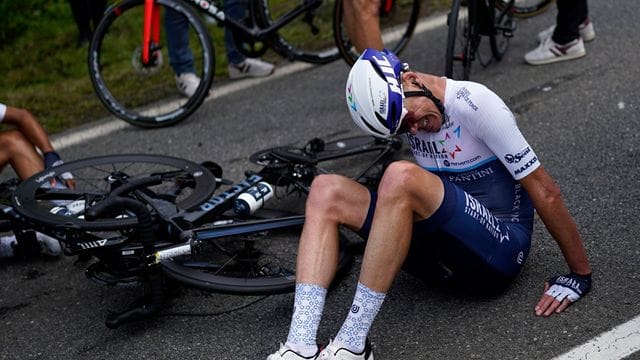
x: 548, y: 202
x: 29, y: 126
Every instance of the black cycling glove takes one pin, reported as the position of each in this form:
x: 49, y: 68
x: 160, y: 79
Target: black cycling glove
x: 52, y: 159
x: 571, y: 286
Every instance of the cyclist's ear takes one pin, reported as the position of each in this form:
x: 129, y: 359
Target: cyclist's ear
x: 409, y: 77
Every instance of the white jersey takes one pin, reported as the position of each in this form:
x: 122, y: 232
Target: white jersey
x: 480, y: 128
x: 480, y: 149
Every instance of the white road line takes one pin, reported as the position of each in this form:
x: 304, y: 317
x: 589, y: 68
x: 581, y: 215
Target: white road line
x: 617, y: 343
x: 115, y: 124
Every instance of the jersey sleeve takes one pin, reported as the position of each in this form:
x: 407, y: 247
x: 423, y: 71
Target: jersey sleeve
x: 3, y: 110
x: 498, y: 129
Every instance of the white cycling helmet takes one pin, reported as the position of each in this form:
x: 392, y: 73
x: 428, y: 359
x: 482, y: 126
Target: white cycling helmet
x: 374, y: 93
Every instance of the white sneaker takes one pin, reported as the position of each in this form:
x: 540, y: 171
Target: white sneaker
x: 587, y: 33
x: 333, y: 352
x: 187, y: 83
x: 285, y: 353
x: 549, y: 52
x: 250, y: 68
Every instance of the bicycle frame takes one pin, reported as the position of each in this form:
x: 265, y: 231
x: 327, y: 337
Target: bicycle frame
x: 152, y: 22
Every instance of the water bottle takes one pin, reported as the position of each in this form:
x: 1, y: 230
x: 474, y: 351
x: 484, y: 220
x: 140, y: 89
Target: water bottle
x: 253, y: 199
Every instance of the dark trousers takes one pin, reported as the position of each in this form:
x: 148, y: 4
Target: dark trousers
x: 87, y: 15
x: 571, y: 13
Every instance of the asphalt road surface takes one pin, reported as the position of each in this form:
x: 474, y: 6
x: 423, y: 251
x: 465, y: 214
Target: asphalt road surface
x: 581, y: 117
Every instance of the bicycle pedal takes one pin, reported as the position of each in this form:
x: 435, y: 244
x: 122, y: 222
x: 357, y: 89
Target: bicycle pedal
x: 508, y: 34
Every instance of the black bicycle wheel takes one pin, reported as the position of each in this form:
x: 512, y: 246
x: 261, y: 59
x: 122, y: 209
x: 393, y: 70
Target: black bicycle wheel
x: 146, y: 95
x: 505, y: 26
x: 182, y: 182
x: 308, y: 36
x: 253, y: 263
x: 459, y: 55
x: 398, y: 19
x: 525, y: 8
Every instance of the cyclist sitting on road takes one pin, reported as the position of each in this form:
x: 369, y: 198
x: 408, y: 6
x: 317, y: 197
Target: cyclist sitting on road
x: 18, y: 148
x: 463, y: 214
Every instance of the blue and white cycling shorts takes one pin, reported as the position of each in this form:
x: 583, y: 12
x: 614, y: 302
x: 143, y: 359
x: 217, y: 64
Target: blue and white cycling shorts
x: 464, y: 244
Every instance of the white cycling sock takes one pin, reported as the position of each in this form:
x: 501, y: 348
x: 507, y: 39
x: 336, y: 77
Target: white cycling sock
x: 354, y: 330
x: 6, y: 246
x: 307, y: 312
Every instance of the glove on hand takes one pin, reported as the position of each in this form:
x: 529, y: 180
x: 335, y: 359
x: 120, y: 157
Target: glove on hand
x: 52, y: 159
x: 571, y: 286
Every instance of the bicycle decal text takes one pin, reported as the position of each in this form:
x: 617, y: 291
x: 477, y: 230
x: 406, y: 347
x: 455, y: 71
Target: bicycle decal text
x: 209, y: 7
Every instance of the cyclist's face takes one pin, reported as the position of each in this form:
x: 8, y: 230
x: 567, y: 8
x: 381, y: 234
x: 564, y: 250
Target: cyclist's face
x: 422, y: 115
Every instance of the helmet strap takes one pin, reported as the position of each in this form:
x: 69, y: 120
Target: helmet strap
x: 428, y: 94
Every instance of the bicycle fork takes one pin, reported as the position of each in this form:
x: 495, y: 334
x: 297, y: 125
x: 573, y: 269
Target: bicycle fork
x: 150, y: 32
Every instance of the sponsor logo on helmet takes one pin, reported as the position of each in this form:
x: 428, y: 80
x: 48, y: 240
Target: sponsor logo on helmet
x: 389, y: 74
x: 382, y: 102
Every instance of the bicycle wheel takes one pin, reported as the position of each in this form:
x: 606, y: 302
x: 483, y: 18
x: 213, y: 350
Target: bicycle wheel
x: 253, y: 263
x: 308, y: 36
x: 398, y: 19
x: 459, y: 55
x: 146, y: 95
x: 183, y: 183
x: 504, y: 27
x: 525, y: 8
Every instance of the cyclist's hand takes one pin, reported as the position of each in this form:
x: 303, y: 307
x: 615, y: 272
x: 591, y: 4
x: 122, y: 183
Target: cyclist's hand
x: 52, y: 159
x: 561, y: 291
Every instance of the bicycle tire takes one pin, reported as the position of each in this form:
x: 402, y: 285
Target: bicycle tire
x: 459, y: 42
x: 95, y: 177
x: 146, y: 95
x: 526, y: 8
x: 299, y: 40
x: 397, y: 27
x: 267, y: 267
x: 499, y: 39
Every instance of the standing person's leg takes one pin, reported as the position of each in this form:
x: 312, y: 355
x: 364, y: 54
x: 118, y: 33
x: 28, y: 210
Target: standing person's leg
x: 177, y: 30
x: 237, y: 10
x: 571, y: 13
x: 80, y: 12
x: 180, y: 55
x: 97, y: 9
x: 362, y: 23
x: 239, y: 65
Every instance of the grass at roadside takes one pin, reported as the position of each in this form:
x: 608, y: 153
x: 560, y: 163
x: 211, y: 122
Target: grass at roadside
x: 43, y: 70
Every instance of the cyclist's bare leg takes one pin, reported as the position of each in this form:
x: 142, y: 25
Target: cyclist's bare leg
x: 363, y: 24
x: 16, y: 150
x: 406, y: 194
x: 333, y: 200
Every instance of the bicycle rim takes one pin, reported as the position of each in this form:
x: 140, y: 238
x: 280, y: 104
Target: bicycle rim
x: 185, y: 184
x: 308, y: 37
x: 525, y: 8
x: 254, y: 263
x: 397, y: 27
x: 146, y: 95
x: 459, y: 54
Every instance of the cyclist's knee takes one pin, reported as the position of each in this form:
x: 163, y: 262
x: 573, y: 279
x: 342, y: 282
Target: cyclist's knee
x: 327, y: 194
x: 404, y: 181
x: 12, y: 142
